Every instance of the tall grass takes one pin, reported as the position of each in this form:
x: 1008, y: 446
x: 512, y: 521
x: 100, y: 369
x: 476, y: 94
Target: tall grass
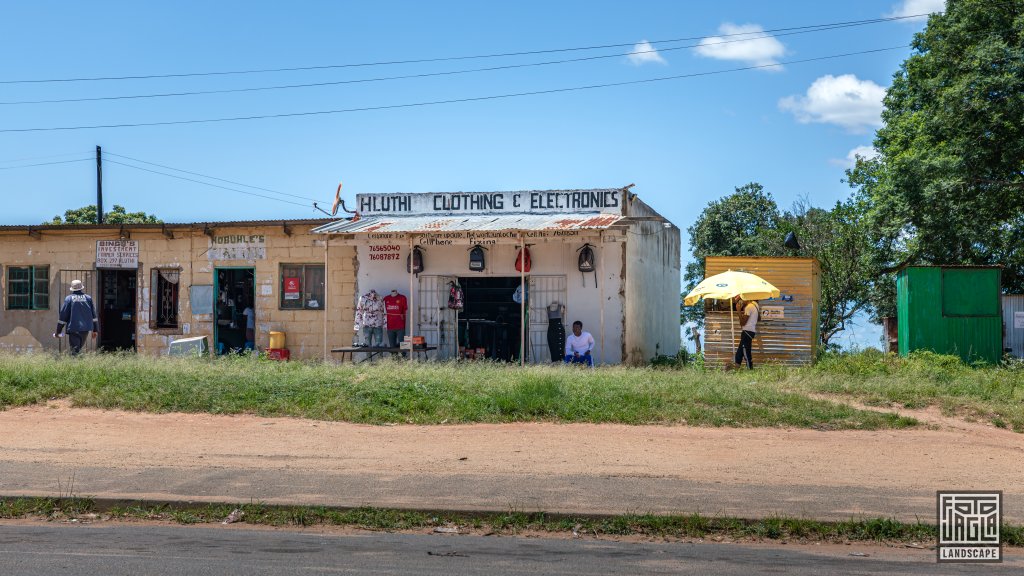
x: 400, y: 392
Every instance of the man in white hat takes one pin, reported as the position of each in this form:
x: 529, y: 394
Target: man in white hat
x: 77, y: 317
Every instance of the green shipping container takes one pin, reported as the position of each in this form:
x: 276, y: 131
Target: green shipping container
x: 950, y: 310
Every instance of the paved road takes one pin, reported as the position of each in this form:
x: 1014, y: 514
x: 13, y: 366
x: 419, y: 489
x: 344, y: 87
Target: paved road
x: 570, y: 494
x: 131, y: 550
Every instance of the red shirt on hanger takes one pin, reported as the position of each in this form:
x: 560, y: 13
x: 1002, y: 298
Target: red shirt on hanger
x: 396, y: 306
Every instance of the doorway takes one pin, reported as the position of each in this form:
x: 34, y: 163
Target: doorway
x: 234, y: 291
x: 117, y: 309
x: 489, y: 324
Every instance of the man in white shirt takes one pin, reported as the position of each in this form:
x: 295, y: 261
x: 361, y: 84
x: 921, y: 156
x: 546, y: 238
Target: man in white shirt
x: 748, y: 319
x: 578, y: 346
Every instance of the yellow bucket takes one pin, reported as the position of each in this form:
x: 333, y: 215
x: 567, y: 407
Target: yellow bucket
x: 277, y: 340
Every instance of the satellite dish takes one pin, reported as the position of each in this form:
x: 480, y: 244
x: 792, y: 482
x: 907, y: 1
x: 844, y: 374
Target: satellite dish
x: 791, y: 241
x: 337, y: 200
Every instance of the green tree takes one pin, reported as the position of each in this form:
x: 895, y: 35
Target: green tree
x: 744, y: 223
x: 87, y: 215
x: 749, y: 223
x: 838, y: 239
x: 948, y: 185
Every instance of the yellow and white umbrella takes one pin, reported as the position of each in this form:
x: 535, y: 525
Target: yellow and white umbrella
x: 728, y: 285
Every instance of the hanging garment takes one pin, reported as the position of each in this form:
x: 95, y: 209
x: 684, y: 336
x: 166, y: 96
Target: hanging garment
x: 556, y: 338
x: 455, y: 296
x: 520, y: 265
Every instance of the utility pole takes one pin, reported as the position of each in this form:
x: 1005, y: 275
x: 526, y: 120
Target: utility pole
x: 99, y: 185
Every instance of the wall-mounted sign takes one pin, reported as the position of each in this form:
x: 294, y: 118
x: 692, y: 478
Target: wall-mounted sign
x: 292, y: 288
x: 238, y: 247
x: 548, y: 201
x: 117, y: 253
x: 773, y: 313
x: 1018, y: 320
x: 385, y: 252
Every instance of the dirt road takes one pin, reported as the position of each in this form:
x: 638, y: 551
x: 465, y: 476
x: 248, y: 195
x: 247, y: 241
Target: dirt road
x: 576, y: 468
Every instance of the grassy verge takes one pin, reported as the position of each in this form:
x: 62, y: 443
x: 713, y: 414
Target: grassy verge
x: 509, y: 523
x: 993, y: 394
x: 399, y: 392
x: 393, y: 392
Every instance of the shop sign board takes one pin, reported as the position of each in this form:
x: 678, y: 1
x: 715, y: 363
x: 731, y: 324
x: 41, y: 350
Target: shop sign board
x: 117, y: 253
x: 773, y: 312
x: 537, y: 202
x: 388, y: 245
x: 1018, y: 320
x: 238, y: 247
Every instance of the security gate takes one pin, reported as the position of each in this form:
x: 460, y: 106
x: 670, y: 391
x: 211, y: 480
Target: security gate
x: 435, y: 321
x: 543, y: 290
x: 88, y: 278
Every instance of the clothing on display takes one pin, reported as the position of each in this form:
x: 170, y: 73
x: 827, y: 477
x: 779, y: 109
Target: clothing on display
x: 456, y: 298
x: 556, y: 331
x: 371, y: 317
x: 396, y: 305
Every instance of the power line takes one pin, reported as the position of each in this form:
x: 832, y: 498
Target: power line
x: 442, y: 59
x: 44, y: 164
x: 450, y: 101
x: 106, y: 152
x: 40, y: 157
x: 205, y: 183
x: 822, y: 28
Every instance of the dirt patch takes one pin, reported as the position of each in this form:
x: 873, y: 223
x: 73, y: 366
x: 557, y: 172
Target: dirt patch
x: 955, y: 454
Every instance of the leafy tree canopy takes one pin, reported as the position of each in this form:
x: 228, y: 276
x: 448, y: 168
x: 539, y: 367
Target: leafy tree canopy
x: 948, y: 185
x: 87, y: 215
x: 749, y: 223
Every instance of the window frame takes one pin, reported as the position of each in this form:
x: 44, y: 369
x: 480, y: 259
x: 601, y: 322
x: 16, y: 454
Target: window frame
x: 154, y: 287
x: 32, y: 282
x: 304, y: 294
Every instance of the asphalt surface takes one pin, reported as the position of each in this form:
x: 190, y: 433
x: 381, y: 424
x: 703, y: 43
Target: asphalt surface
x: 165, y: 550
x: 577, y: 494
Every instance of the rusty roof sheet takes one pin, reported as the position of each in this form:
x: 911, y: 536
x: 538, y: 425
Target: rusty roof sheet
x: 427, y: 224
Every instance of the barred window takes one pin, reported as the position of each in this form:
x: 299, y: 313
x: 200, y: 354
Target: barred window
x: 28, y: 288
x: 302, y: 287
x: 163, y: 299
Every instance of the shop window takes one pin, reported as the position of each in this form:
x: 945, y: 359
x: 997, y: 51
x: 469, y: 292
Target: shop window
x: 302, y: 287
x: 163, y: 298
x: 28, y: 288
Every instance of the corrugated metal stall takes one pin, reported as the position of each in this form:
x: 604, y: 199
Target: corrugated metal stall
x: 1013, y: 324
x: 788, y: 329
x: 950, y: 310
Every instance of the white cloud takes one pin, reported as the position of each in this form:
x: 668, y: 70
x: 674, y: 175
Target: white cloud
x: 644, y: 53
x: 753, y: 47
x: 912, y: 7
x: 845, y: 100
x: 865, y: 152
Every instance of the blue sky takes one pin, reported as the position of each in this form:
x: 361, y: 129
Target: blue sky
x: 682, y: 142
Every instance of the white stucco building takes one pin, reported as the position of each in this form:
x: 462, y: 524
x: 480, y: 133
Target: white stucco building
x: 630, y: 302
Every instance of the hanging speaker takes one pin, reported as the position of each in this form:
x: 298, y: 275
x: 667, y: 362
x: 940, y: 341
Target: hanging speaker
x: 791, y: 241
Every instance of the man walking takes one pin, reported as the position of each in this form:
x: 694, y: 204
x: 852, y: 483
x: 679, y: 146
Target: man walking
x: 751, y: 314
x: 77, y: 317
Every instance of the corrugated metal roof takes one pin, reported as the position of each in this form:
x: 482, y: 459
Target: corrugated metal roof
x: 161, y: 225
x: 426, y: 224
